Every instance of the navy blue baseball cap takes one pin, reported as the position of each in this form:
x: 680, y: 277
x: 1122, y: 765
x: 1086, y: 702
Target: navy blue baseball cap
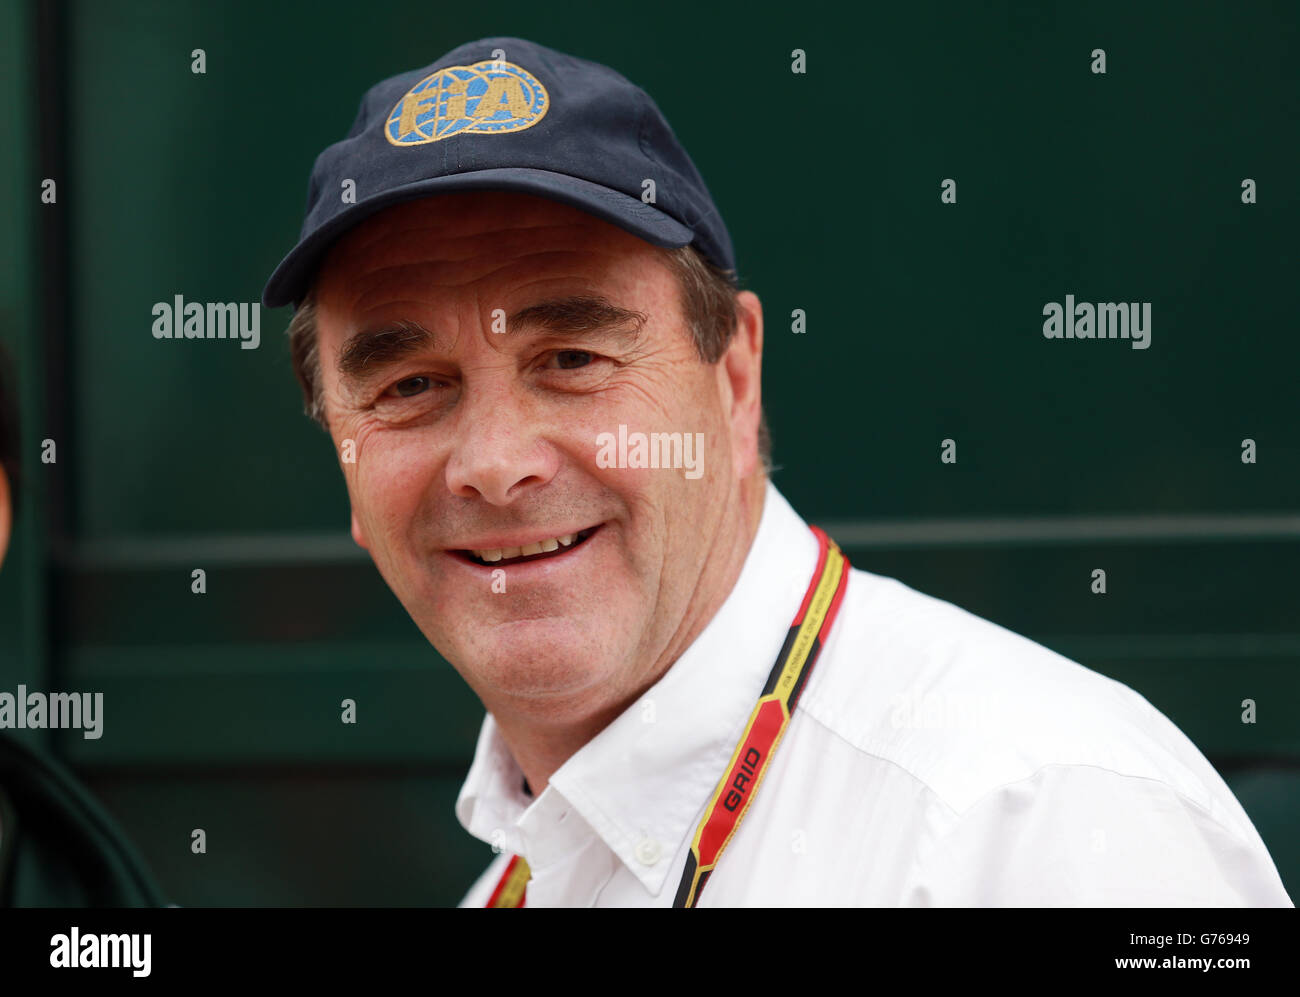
x: 507, y: 114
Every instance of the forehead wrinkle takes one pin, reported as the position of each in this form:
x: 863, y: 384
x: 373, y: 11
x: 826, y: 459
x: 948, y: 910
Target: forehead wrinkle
x: 357, y: 251
x: 392, y: 285
x: 554, y: 279
x: 384, y: 280
x: 406, y: 305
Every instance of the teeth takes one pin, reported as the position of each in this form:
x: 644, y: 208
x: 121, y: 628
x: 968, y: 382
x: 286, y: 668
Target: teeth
x: 541, y: 547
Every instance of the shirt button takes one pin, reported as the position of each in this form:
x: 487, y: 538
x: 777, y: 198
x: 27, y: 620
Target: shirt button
x: 648, y: 851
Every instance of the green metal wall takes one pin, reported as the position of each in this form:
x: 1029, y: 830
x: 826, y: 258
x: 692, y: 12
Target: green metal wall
x: 924, y: 323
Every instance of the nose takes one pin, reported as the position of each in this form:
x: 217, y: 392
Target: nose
x: 499, y: 453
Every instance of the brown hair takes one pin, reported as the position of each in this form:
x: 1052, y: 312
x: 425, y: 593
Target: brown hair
x: 708, y: 296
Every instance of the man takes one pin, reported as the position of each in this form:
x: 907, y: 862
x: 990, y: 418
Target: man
x: 517, y: 319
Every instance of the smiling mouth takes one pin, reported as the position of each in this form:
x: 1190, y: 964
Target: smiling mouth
x: 553, y: 547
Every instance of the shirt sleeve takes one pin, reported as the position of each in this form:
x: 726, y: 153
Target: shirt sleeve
x: 1083, y: 836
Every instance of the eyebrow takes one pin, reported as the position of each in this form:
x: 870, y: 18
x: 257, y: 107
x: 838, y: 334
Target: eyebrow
x: 367, y: 354
x: 579, y: 313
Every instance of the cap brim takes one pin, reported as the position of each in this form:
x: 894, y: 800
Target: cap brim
x: 289, y: 282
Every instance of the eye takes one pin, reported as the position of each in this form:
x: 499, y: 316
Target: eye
x: 409, y: 386
x: 572, y: 359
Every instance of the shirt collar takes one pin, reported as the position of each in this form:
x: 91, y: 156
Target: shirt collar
x: 643, y: 782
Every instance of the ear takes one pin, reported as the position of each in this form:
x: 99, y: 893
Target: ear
x: 742, y: 371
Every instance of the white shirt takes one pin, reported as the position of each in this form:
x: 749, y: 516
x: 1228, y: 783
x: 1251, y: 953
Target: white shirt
x: 934, y: 758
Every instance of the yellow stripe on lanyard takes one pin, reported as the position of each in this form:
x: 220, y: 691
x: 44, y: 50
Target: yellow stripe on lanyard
x: 510, y: 891
x: 768, y: 722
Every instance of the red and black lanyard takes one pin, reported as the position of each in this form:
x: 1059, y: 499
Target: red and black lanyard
x: 767, y: 724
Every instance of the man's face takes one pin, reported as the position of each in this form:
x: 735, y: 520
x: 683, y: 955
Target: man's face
x: 547, y: 328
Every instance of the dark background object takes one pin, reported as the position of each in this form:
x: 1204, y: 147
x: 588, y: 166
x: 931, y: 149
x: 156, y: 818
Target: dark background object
x: 58, y: 847
x: 924, y: 323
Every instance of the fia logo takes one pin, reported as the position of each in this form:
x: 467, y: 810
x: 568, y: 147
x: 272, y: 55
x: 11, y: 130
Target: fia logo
x: 490, y: 97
